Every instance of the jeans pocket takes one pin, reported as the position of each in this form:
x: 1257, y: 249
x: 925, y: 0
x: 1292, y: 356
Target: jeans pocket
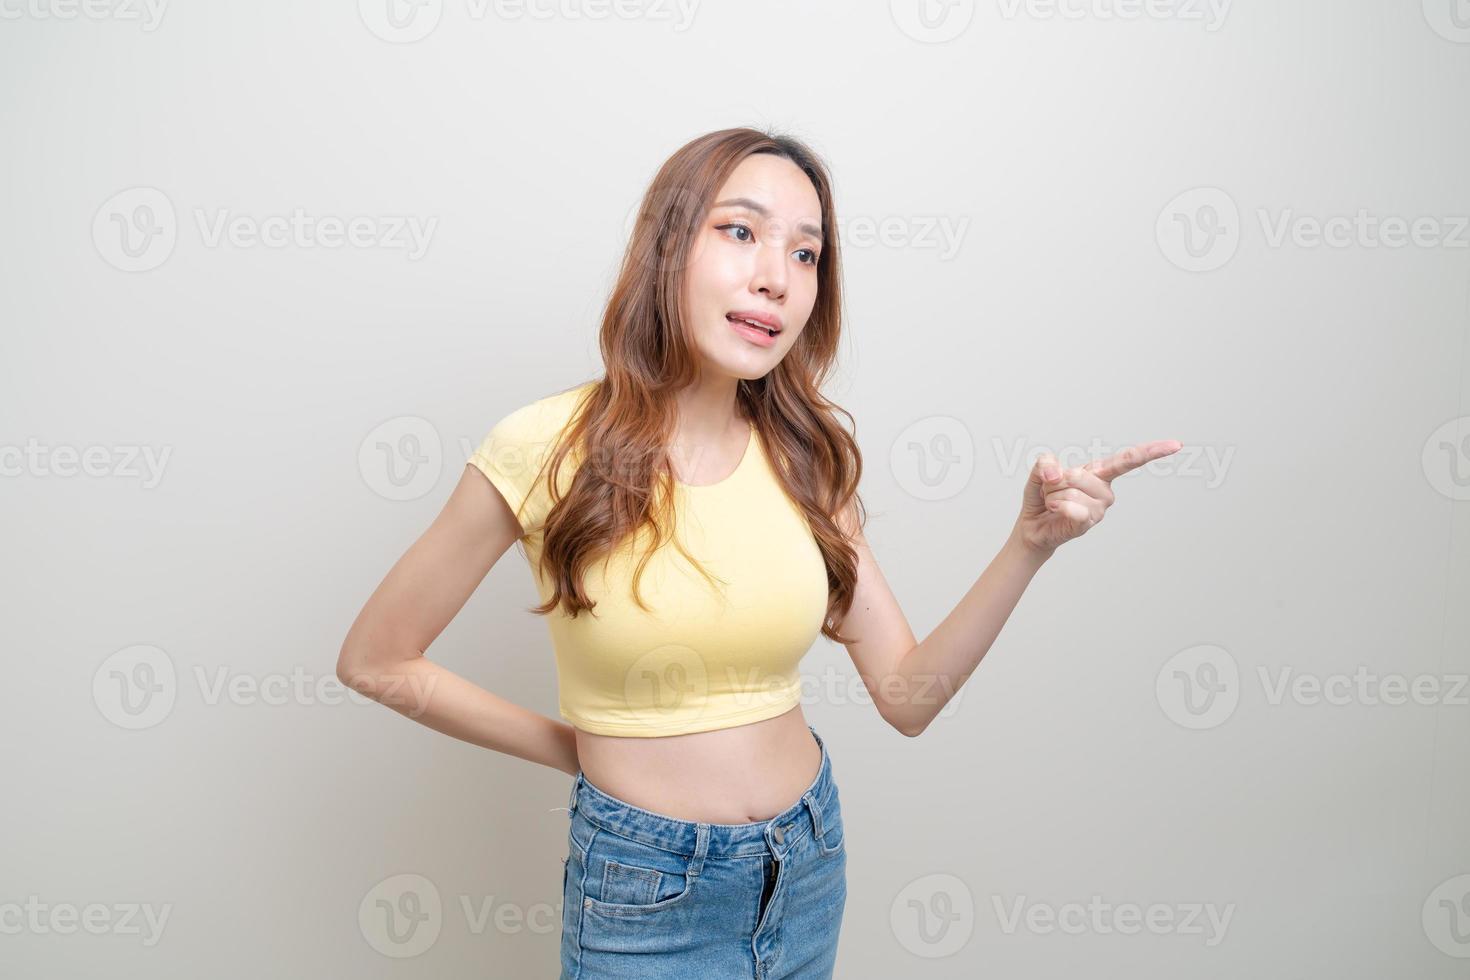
x: 626, y: 884
x: 628, y: 878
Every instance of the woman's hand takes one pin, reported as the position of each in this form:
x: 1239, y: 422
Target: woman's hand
x: 1060, y: 505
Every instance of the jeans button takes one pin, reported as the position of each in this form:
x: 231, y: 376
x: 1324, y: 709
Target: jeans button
x: 780, y: 835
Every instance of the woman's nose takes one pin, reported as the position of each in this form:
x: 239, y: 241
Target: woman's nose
x: 770, y: 273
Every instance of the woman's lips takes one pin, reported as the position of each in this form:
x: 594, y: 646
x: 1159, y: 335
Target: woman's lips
x: 756, y: 335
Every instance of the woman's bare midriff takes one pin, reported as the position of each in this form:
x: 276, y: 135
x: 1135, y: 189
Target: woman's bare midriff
x: 743, y: 774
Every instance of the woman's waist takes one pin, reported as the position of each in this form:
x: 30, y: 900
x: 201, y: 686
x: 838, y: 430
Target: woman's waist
x: 736, y: 775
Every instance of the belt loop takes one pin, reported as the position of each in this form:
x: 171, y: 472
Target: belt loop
x: 701, y: 847
x: 572, y: 799
x: 816, y: 810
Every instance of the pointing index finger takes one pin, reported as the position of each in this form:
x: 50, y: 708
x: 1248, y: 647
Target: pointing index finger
x: 1130, y: 459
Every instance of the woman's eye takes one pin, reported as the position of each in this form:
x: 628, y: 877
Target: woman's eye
x: 736, y: 227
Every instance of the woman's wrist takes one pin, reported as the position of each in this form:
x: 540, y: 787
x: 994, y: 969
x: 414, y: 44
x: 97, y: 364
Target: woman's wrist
x: 1026, y: 550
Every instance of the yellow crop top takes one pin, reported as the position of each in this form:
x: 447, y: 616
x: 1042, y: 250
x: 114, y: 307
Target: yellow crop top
x: 710, y: 655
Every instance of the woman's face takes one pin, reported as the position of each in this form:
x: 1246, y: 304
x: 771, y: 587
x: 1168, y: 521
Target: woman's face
x: 756, y: 254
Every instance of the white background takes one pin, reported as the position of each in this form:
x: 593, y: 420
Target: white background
x: 1316, y: 521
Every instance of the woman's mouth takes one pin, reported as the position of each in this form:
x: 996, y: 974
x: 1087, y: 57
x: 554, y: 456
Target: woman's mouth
x: 756, y: 333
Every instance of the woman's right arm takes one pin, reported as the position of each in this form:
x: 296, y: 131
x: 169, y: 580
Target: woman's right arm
x: 383, y: 654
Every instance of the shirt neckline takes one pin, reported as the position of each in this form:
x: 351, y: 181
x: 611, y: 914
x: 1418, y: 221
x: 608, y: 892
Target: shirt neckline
x: 745, y: 459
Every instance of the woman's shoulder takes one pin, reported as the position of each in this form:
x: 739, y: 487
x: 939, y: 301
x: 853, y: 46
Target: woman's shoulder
x: 567, y: 399
x: 541, y: 420
x: 519, y: 445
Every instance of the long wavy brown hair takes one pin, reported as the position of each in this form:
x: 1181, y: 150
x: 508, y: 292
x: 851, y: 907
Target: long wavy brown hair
x: 623, y: 483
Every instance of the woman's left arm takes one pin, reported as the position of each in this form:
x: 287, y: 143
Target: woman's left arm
x: 910, y: 682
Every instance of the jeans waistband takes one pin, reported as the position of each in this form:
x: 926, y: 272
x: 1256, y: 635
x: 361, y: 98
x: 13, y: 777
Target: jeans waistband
x: 699, y: 840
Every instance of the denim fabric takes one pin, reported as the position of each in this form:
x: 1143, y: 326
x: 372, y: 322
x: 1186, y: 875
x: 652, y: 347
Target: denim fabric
x: 652, y: 897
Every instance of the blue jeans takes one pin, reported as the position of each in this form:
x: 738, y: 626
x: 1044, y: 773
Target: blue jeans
x: 651, y: 897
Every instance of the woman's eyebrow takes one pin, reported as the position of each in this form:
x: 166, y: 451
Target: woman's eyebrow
x: 760, y: 209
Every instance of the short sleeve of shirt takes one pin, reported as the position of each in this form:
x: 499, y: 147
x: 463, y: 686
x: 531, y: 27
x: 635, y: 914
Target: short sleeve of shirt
x: 516, y: 453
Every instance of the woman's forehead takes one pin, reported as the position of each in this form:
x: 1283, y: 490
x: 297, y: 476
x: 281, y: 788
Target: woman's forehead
x: 769, y: 190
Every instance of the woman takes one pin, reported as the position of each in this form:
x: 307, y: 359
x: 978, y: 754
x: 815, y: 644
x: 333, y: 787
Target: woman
x: 692, y: 522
